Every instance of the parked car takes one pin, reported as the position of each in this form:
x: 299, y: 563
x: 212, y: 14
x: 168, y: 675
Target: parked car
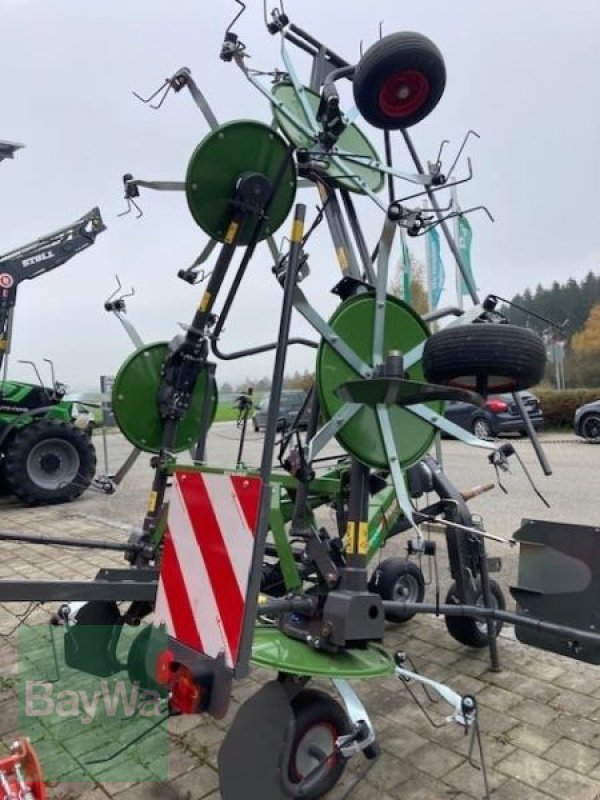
x: 587, y: 421
x: 291, y: 403
x: 499, y: 415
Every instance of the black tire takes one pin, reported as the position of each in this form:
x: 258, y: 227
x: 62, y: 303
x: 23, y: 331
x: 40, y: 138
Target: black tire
x: 481, y: 427
x: 590, y: 427
x: 470, y: 631
x: 49, y: 462
x: 485, y: 357
x: 398, y: 579
x: 399, y: 80
x: 5, y: 489
x: 319, y: 716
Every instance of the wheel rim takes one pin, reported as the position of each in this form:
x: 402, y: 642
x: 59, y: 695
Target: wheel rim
x: 53, y: 463
x: 481, y: 429
x: 591, y: 428
x: 481, y: 624
x: 320, y: 737
x: 406, y: 588
x: 403, y: 93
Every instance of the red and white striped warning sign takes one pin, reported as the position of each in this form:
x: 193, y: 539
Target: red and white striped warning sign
x: 206, y: 560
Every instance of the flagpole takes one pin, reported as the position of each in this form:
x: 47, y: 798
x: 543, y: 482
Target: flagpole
x: 429, y: 265
x: 456, y: 235
x: 406, y: 269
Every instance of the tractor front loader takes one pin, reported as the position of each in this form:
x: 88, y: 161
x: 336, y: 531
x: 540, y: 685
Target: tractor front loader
x: 44, y: 457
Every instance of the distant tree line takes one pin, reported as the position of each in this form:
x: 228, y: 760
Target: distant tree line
x: 570, y: 302
x: 576, y: 308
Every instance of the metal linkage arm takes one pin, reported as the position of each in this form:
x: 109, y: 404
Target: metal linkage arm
x: 52, y: 250
x: 132, y: 191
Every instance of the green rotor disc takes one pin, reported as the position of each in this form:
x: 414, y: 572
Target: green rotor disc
x: 134, y: 401
x: 273, y: 649
x: 217, y: 164
x: 352, y: 141
x: 360, y: 436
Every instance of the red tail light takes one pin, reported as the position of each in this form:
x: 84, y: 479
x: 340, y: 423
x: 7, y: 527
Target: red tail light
x: 186, y: 693
x: 496, y: 406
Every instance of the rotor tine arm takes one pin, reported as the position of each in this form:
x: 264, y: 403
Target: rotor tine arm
x: 200, y: 100
x: 398, y: 481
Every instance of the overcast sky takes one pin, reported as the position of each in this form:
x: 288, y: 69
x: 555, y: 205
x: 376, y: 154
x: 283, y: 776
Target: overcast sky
x: 524, y: 75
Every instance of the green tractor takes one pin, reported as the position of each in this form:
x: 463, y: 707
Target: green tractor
x: 46, y: 455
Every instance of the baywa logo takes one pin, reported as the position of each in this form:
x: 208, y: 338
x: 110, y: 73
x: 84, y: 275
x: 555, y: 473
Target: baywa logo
x: 122, y: 699
x: 86, y: 706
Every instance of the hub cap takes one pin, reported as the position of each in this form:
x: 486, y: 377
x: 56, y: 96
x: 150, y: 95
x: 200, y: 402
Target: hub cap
x: 53, y: 463
x: 317, y: 742
x: 403, y: 93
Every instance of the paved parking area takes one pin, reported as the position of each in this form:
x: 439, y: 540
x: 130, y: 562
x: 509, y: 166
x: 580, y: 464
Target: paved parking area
x: 540, y: 716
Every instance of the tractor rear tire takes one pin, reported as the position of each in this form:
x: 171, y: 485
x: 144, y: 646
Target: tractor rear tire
x: 49, y: 462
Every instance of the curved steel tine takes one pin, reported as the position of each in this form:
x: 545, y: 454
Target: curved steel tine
x: 156, y: 106
x: 130, y: 203
x: 470, y: 132
x: 438, y: 161
x: 480, y: 208
x: 130, y: 293
x: 461, y: 213
x: 116, y: 291
x: 164, y: 84
x: 237, y: 16
x: 127, y: 210
x: 139, y: 211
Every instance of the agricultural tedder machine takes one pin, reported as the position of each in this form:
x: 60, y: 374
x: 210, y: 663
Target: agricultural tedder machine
x: 303, y: 601
x: 44, y: 457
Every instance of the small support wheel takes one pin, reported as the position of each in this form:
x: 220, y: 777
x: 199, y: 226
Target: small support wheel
x: 486, y: 358
x: 399, y: 80
x: 319, y: 721
x: 471, y: 631
x: 398, y: 579
x: 590, y: 428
